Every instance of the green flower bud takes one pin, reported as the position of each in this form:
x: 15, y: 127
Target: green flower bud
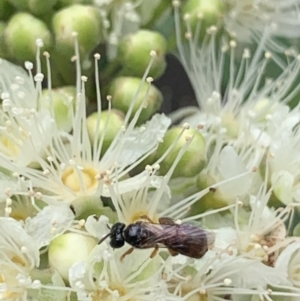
x: 90, y: 205
x: 67, y: 249
x: 37, y: 7
x: 209, y: 11
x: 21, y: 34
x: 85, y: 20
x: 212, y: 200
x: 64, y: 100
x: 134, y: 53
x: 193, y: 160
x: 123, y: 91
x: 6, y: 10
x: 110, y: 123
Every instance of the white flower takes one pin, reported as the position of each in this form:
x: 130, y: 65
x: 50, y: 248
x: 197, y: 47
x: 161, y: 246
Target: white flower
x: 249, y: 101
x: 136, y: 277
x: 70, y: 166
x: 214, y: 279
x: 19, y: 255
x: 244, y: 19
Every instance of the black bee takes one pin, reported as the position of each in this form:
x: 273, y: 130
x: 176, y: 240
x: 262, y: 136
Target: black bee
x: 182, y: 239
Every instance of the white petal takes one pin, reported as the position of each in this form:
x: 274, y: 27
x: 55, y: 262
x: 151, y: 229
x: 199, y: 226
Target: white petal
x: 224, y: 237
x: 243, y: 270
x: 12, y: 75
x: 283, y: 182
x: 288, y: 262
x: 139, y: 142
x: 49, y: 223
x: 12, y: 235
x: 133, y: 183
x: 231, y: 165
x: 77, y: 272
x: 97, y: 227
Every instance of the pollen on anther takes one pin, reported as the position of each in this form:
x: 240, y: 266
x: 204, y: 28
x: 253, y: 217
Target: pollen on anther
x: 97, y: 56
x: 81, y: 222
x: 46, y: 172
x: 156, y: 166
x: 8, y: 210
x: 176, y: 3
x: 148, y: 168
x: 39, y: 43
x: 232, y: 44
x: 8, y: 201
x: 227, y: 281
x: 153, y: 53
x: 268, y: 55
x: 186, y: 126
x: 39, y: 77
x: 24, y: 249
x: 28, y: 65
x: 46, y: 54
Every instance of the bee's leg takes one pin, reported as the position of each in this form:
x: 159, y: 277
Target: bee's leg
x: 172, y: 252
x: 147, y: 218
x: 154, y: 252
x: 129, y: 251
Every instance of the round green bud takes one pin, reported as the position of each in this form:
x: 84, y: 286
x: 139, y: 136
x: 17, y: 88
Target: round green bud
x: 212, y: 200
x: 194, y: 158
x: 36, y: 7
x: 200, y: 15
x: 134, y: 53
x: 85, y: 20
x: 123, y: 92
x: 109, y: 125
x: 67, y: 249
x: 6, y: 10
x: 21, y: 34
x: 64, y: 100
x: 209, y: 11
x: 91, y: 205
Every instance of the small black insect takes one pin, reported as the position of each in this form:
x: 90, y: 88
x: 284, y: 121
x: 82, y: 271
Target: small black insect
x: 182, y: 239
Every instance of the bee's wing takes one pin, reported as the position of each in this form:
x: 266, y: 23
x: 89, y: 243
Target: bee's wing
x: 184, y: 239
x: 156, y: 234
x: 191, y: 241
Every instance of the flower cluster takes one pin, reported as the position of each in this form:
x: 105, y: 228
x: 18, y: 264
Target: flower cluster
x: 212, y: 191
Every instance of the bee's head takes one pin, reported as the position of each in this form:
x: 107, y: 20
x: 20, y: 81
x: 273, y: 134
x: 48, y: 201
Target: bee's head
x: 116, y: 235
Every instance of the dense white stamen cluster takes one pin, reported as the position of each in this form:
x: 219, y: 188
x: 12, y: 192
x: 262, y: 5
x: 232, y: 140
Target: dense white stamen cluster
x: 62, y: 188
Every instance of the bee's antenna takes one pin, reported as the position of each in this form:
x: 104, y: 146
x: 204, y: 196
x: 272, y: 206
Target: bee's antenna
x: 107, y: 225
x: 103, y: 238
